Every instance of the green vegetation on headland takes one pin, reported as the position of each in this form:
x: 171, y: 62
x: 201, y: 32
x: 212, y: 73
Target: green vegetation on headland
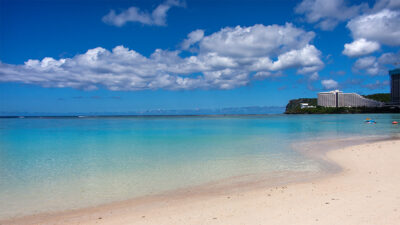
x: 294, y: 107
x: 342, y: 110
x: 382, y: 97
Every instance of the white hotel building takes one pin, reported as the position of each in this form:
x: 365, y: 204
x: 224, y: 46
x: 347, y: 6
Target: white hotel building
x: 339, y: 99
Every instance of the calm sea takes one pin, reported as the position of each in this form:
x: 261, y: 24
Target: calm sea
x: 49, y: 164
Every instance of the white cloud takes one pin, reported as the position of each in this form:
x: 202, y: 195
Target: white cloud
x: 386, y: 4
x: 376, y: 66
x: 192, y: 38
x: 329, y: 84
x: 134, y: 14
x: 376, y: 27
x: 328, y: 13
x: 261, y: 75
x: 377, y: 85
x: 306, y: 59
x: 225, y: 59
x: 256, y: 41
x: 369, y: 64
x: 390, y: 58
x: 370, y: 28
x: 314, y: 76
x: 381, y: 27
x: 360, y: 47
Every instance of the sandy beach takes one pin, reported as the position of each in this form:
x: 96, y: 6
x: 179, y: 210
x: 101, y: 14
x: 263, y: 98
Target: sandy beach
x: 365, y: 191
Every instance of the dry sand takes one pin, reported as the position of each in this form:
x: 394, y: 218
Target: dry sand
x: 366, y: 191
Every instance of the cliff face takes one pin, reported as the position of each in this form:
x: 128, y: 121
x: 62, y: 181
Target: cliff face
x: 294, y: 105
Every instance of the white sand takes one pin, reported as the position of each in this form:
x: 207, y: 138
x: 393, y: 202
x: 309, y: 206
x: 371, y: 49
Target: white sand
x: 367, y: 191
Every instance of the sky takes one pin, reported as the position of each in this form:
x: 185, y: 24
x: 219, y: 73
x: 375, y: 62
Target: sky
x: 118, y: 56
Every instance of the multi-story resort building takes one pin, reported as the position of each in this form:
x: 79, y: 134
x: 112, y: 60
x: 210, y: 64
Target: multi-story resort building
x: 339, y: 99
x: 328, y: 99
x: 395, y: 86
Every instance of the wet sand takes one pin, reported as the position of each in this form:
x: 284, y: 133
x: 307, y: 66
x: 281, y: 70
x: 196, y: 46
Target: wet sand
x: 366, y: 190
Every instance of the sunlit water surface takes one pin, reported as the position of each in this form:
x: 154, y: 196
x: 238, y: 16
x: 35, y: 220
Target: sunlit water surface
x: 57, y: 164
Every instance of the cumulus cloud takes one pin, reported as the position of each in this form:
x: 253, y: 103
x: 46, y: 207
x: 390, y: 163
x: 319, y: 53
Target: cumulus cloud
x: 377, y: 85
x: 381, y: 27
x: 133, y: 14
x: 360, y: 47
x: 329, y: 84
x: 389, y: 58
x: 306, y: 59
x: 226, y: 59
x: 376, y: 27
x: 386, y: 4
x: 372, y: 65
x: 261, y: 75
x: 328, y: 13
x: 192, y: 38
x: 370, y: 27
x: 369, y: 64
x: 256, y: 41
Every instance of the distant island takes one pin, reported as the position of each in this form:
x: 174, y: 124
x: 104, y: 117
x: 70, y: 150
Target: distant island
x: 295, y: 106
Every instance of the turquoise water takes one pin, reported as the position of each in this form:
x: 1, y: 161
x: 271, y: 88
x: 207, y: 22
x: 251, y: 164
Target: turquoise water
x: 49, y: 164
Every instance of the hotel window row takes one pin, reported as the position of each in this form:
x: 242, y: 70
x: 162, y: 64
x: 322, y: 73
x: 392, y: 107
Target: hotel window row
x: 340, y: 99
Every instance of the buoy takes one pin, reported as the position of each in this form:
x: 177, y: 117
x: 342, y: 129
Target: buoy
x: 395, y: 122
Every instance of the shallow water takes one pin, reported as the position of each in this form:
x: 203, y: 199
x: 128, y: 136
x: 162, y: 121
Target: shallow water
x: 56, y: 164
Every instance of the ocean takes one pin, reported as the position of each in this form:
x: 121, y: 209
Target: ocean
x: 55, y: 164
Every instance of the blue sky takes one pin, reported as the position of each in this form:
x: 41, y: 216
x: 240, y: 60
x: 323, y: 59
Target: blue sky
x: 90, y: 56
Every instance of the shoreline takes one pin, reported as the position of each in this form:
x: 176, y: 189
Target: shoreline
x: 243, y: 188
